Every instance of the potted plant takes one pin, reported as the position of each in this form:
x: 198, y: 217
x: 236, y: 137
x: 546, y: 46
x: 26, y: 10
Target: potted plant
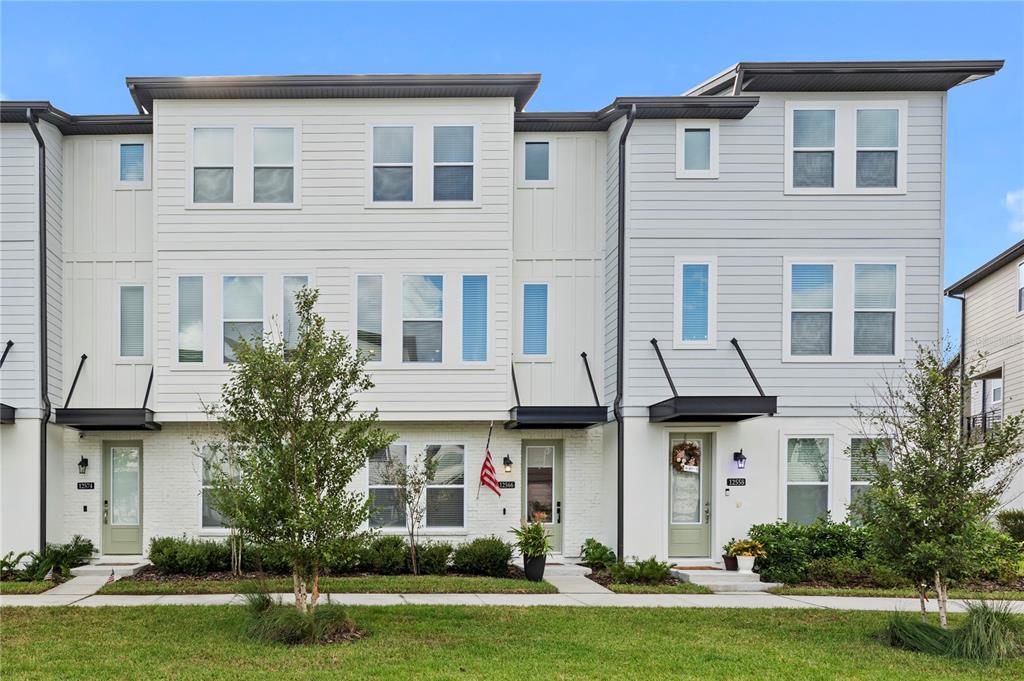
x: 534, y: 544
x: 727, y: 555
x: 746, y: 551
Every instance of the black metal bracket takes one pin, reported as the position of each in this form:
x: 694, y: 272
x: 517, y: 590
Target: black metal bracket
x: 515, y: 385
x: 743, y: 358
x: 7, y: 349
x: 74, y: 383
x: 593, y: 388
x: 668, y: 376
x: 149, y: 386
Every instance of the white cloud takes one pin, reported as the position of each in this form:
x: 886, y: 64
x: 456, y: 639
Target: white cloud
x: 1015, y: 204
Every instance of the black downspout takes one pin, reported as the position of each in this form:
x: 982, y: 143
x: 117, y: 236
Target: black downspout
x: 620, y: 330
x: 44, y: 367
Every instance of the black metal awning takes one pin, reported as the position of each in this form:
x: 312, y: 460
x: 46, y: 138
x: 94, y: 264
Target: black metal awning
x: 129, y: 418
x: 703, y: 408
x: 561, y: 416
x: 6, y: 413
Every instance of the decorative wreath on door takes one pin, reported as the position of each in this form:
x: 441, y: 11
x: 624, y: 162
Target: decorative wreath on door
x: 686, y: 457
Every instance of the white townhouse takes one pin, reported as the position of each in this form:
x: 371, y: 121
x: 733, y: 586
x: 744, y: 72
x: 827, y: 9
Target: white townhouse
x: 668, y: 307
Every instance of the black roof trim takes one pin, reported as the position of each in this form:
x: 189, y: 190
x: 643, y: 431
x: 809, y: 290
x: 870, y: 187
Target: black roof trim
x: 646, y: 107
x: 6, y: 413
x: 87, y: 418
x: 848, y: 76
x: 555, y: 417
x: 712, y: 408
x: 68, y: 124
x: 1002, y: 260
x: 519, y: 86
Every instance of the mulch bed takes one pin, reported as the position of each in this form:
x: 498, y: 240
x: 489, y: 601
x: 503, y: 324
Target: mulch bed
x: 151, y: 574
x: 605, y: 580
x: 981, y: 586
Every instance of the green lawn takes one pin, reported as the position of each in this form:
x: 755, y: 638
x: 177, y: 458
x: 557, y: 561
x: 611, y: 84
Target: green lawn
x: 391, y: 584
x: 36, y: 587
x: 679, y: 588
x: 897, y: 593
x: 427, y: 642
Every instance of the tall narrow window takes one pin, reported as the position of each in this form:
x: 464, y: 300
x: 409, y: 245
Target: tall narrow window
x: 447, y: 492
x: 878, y: 141
x: 535, y: 319
x: 273, y: 173
x: 863, y: 454
x: 290, y: 323
x: 811, y: 310
x: 369, y: 314
x: 243, y: 313
x: 807, y: 478
x: 874, y: 317
x: 814, y: 141
x: 386, y: 507
x: 474, y: 318
x: 190, y: 320
x: 133, y: 163
x: 213, y: 160
x: 1020, y: 287
x: 214, y: 468
x: 537, y: 162
x: 422, y: 317
x: 695, y: 297
x: 392, y: 163
x: 133, y: 321
x: 453, y: 163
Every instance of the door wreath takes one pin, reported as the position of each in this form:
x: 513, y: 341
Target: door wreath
x: 686, y: 457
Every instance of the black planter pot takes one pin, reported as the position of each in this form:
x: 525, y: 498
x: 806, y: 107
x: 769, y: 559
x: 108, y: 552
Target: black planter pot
x: 730, y: 563
x: 534, y: 567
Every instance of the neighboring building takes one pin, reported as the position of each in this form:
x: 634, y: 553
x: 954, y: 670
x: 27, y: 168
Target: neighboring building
x: 992, y: 300
x: 473, y: 249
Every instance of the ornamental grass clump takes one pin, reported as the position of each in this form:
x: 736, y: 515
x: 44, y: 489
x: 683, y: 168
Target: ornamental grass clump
x: 272, y: 623
x: 990, y: 633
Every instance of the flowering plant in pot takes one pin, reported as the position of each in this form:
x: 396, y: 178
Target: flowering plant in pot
x: 746, y: 551
x: 534, y: 543
x: 728, y: 558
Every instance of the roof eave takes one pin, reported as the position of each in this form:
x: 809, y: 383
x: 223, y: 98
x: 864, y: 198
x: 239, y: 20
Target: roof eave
x: 997, y: 263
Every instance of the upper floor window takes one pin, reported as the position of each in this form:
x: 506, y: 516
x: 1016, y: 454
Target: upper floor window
x: 190, y: 320
x: 292, y: 284
x: 392, y: 163
x: 446, y: 494
x: 1020, y: 287
x: 273, y: 174
x: 243, y: 313
x: 535, y: 320
x: 694, y: 303
x: 814, y: 148
x: 213, y: 165
x: 537, y: 161
x: 874, y: 317
x: 453, y: 163
x: 808, y: 478
x: 132, y: 321
x: 696, y: 148
x: 132, y: 163
x: 997, y: 390
x: 370, y: 314
x: 474, y: 318
x: 811, y: 309
x: 422, y: 317
x: 878, y: 141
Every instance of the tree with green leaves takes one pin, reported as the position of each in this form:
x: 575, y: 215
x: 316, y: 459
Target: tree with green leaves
x: 934, y: 484
x: 410, y: 483
x: 290, y: 444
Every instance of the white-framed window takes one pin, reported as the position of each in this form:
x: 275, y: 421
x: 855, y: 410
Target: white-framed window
x: 996, y: 387
x: 132, y: 163
x: 131, y: 322
x: 190, y: 319
x: 846, y: 147
x: 213, y: 165
x: 392, y: 163
x: 536, y: 313
x: 475, y: 317
x: 1020, y: 287
x: 422, y: 318
x: 387, y: 510
x: 537, y: 161
x: 370, y: 315
x: 696, y: 148
x: 874, y: 309
x: 242, y: 306
x: 273, y: 171
x: 446, y: 495
x: 811, y: 309
x: 808, y: 478
x: 213, y: 466
x: 453, y: 176
x: 291, y: 285
x: 861, y: 464
x: 695, y: 305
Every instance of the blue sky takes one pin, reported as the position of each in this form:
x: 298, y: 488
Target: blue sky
x: 587, y: 53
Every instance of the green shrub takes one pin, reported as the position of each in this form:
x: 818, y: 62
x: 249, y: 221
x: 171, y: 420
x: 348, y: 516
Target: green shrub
x: 163, y: 553
x: 257, y: 558
x: 596, y: 555
x: 847, y: 571
x: 61, y: 558
x: 486, y: 556
x: 432, y: 558
x: 1011, y: 521
x: 385, y: 555
x: 649, y: 571
x: 827, y: 539
x: 194, y: 557
x: 789, y: 547
x: 998, y: 557
x: 10, y: 567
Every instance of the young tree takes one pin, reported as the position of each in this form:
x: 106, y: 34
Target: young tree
x: 409, y: 482
x: 934, y: 484
x: 293, y: 443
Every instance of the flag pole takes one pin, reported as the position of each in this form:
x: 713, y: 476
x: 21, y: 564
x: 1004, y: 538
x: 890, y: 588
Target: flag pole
x: 487, y: 448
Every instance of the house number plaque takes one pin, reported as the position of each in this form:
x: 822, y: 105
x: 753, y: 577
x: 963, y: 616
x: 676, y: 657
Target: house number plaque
x: 87, y: 485
x: 506, y: 484
x: 735, y: 482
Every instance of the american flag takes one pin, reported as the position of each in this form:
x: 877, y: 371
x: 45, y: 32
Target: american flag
x: 488, y: 476
x: 111, y: 577
x: 49, y: 575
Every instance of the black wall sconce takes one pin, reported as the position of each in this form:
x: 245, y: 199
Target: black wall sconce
x: 741, y: 461
x: 83, y: 464
x: 508, y: 463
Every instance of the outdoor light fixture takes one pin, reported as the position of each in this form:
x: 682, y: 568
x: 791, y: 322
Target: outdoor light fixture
x: 741, y: 461
x: 508, y: 463
x: 83, y: 463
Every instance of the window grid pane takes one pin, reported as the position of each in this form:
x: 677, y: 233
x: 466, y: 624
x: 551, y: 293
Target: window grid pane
x: 537, y: 165
x: 535, y: 319
x: 813, y: 169
x: 453, y: 144
x: 474, y: 318
x: 392, y: 183
x: 292, y: 285
x: 190, y: 319
x: 807, y: 475
x: 213, y: 185
x: 874, y: 318
x: 453, y: 183
x: 695, y: 302
x: 422, y: 312
x: 369, y: 315
x: 273, y: 146
x: 697, y: 149
x: 387, y: 509
x: 243, y: 313
x: 878, y: 128
x: 133, y: 326
x: 133, y: 167
x: 445, y: 497
x: 392, y: 158
x: 814, y: 128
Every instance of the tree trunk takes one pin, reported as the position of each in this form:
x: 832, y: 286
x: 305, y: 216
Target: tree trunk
x: 300, y: 592
x: 940, y: 594
x: 316, y: 589
x: 412, y: 553
x: 922, y: 597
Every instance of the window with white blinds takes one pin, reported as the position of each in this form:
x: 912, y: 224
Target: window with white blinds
x: 474, y: 318
x: 132, y: 163
x: 695, y: 303
x: 369, y: 315
x: 814, y: 142
x: 878, y: 141
x: 422, y: 317
x: 190, y: 320
x: 445, y: 496
x: 811, y: 309
x: 392, y: 163
x: 453, y: 163
x: 864, y: 453
x: 132, y: 313
x: 213, y: 165
x: 808, y: 472
x: 243, y: 313
x: 292, y: 284
x: 386, y: 507
x: 273, y: 174
x: 874, y: 317
x: 535, y: 320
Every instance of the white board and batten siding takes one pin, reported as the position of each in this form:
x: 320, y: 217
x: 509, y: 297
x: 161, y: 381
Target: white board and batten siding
x: 748, y: 223
x: 335, y: 233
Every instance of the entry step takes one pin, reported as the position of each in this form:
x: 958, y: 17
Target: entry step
x: 724, y: 581
x: 122, y: 566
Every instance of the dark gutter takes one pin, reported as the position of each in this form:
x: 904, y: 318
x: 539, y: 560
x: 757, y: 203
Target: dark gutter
x: 69, y: 124
x: 646, y: 107
x: 44, y: 349
x: 1005, y: 258
x: 620, y: 329
x: 963, y: 347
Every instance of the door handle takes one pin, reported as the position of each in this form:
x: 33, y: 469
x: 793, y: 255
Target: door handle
x: 558, y: 512
x: 106, y: 504
x: 707, y: 511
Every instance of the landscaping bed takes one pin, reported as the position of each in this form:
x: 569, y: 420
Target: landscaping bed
x: 954, y: 594
x: 670, y: 585
x: 32, y: 587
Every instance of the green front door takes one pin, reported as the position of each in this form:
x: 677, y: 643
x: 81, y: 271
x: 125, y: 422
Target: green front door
x: 122, y: 498
x: 689, y: 503
x: 542, y: 487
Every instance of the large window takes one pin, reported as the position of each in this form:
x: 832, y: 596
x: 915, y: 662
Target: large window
x: 213, y: 165
x: 814, y: 147
x: 214, y: 467
x: 292, y: 284
x: 863, y: 453
x: 535, y: 320
x: 811, y: 309
x: 446, y: 495
x: 874, y: 317
x: 387, y: 509
x: 878, y: 141
x: 453, y: 163
x: 422, y: 317
x: 132, y: 163
x: 132, y: 322
x: 474, y: 318
x: 243, y: 312
x: 369, y: 315
x: 392, y: 163
x: 696, y: 149
x: 273, y: 175
x: 694, y: 303
x: 190, y: 320
x: 807, y: 478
